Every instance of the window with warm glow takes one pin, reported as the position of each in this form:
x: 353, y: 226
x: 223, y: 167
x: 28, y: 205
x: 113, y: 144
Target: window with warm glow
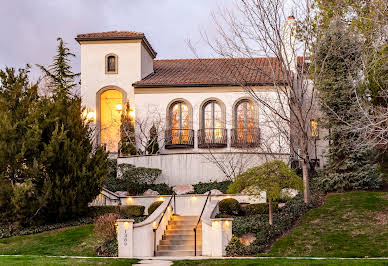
x: 110, y: 118
x: 314, y: 128
x: 245, y: 120
x: 212, y: 121
x: 179, y: 122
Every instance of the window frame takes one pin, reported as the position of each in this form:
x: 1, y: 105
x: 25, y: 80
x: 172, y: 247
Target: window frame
x: 116, y: 63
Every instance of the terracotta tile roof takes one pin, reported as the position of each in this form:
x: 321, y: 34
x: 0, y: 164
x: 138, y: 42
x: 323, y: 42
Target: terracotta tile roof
x: 116, y: 35
x: 214, y: 72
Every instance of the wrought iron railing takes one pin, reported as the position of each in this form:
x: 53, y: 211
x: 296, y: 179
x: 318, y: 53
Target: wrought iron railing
x: 161, y: 217
x: 199, y: 220
x: 179, y: 138
x: 245, y: 137
x: 212, y: 137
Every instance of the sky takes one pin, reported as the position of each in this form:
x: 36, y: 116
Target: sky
x: 30, y: 27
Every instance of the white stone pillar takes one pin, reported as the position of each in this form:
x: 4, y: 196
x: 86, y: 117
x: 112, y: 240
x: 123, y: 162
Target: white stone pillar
x: 125, y: 237
x: 222, y: 233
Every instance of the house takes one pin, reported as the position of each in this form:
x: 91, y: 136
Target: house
x: 208, y: 126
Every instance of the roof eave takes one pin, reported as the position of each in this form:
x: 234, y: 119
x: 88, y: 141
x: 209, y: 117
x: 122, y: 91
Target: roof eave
x: 206, y: 85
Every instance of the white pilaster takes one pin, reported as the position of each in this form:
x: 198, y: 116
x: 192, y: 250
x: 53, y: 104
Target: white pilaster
x: 125, y: 237
x: 221, y: 235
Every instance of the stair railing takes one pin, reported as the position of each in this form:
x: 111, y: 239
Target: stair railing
x: 161, y: 217
x: 199, y: 220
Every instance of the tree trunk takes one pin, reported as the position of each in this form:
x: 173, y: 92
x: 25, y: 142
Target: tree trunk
x: 305, y: 172
x: 270, y: 211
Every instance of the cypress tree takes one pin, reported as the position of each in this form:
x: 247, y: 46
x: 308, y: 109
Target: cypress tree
x: 153, y: 144
x: 350, y: 166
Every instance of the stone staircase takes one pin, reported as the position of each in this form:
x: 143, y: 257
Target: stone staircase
x: 178, y: 239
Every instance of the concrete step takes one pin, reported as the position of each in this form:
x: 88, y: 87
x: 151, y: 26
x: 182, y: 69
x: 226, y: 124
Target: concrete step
x: 180, y: 242
x: 178, y: 247
x: 182, y: 226
x: 181, y: 232
x: 185, y: 218
x: 177, y: 253
x: 181, y: 237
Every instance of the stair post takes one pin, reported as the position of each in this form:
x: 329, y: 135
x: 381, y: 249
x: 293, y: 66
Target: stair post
x: 221, y: 235
x: 125, y: 237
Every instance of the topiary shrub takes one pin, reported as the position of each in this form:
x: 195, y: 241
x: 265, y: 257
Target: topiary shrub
x: 131, y: 211
x: 229, y: 206
x: 260, y: 208
x: 154, y: 206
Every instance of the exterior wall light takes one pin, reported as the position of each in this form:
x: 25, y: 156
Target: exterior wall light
x: 91, y: 115
x: 130, y: 200
x: 228, y: 197
x: 193, y: 197
x: 119, y: 107
x: 160, y: 199
x: 131, y: 113
x: 154, y: 225
x: 226, y: 223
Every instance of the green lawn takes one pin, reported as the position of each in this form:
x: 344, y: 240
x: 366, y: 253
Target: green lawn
x: 74, y: 241
x: 247, y: 262
x: 353, y: 224
x: 30, y: 260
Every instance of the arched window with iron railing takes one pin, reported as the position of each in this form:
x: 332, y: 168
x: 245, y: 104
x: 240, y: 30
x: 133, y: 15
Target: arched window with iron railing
x: 179, y: 133
x: 212, y: 132
x: 246, y: 132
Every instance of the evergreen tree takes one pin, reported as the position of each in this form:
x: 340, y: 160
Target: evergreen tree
x: 127, y: 132
x: 153, y: 144
x: 350, y: 166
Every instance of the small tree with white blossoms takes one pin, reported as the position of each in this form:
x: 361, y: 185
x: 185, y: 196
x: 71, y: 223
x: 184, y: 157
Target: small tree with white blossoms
x: 271, y: 177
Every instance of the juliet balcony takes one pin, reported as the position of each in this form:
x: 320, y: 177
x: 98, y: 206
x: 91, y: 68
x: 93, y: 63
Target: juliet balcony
x: 245, y: 137
x: 212, y: 138
x: 179, y: 138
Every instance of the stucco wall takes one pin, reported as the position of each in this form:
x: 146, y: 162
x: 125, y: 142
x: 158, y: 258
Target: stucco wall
x: 192, y: 168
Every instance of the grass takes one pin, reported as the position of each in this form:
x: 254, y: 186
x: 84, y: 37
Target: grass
x: 280, y: 261
x: 74, y: 241
x: 30, y: 260
x: 353, y: 224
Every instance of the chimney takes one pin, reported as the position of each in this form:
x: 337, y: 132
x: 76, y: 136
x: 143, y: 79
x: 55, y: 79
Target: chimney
x: 288, y: 44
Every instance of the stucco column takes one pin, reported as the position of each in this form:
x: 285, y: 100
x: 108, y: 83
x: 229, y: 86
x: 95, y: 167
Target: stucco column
x: 222, y: 233
x: 125, y: 237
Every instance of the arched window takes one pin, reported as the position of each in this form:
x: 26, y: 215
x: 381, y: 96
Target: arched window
x: 179, y: 121
x: 111, y: 64
x: 246, y: 130
x: 212, y: 132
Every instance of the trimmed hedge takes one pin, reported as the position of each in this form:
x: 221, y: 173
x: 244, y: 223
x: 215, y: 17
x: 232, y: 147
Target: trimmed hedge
x: 265, y: 233
x: 154, y: 206
x: 201, y: 188
x: 260, y: 208
x: 229, y: 206
x: 131, y: 211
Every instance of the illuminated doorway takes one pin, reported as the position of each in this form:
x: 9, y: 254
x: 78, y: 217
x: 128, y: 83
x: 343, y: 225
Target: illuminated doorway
x: 111, y: 105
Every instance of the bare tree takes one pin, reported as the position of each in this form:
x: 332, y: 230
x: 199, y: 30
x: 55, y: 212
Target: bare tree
x: 263, y: 28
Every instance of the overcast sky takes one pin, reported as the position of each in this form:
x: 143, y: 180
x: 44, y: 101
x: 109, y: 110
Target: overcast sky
x: 30, y: 27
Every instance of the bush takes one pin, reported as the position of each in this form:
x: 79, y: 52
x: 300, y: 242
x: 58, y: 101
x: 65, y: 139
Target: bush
x: 235, y: 247
x: 95, y: 211
x: 105, y: 226
x: 154, y: 206
x: 139, y: 175
x: 229, y: 206
x: 260, y: 208
x: 108, y: 249
x: 131, y: 211
x: 163, y: 188
x: 201, y: 188
x: 265, y: 233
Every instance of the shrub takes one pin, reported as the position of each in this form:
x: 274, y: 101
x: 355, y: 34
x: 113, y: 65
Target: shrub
x: 201, y: 188
x: 95, y: 211
x: 154, y: 206
x: 163, y: 188
x: 139, y: 175
x: 265, y: 233
x: 229, y: 206
x: 235, y: 247
x: 260, y: 208
x: 108, y: 249
x: 131, y: 211
x: 104, y: 226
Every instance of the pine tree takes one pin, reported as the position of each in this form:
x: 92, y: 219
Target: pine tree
x: 127, y: 132
x: 349, y: 165
x: 153, y: 144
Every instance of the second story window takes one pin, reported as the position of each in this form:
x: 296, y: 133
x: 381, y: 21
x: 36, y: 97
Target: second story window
x: 111, y: 64
x: 314, y: 128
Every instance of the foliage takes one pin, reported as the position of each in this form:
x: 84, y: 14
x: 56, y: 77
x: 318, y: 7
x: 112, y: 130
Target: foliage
x: 201, y: 188
x: 104, y: 226
x: 235, y: 247
x: 259, y: 208
x: 108, y: 249
x: 349, y: 224
x: 153, y: 144
x: 154, y: 206
x: 96, y: 211
x: 131, y: 211
x: 127, y: 129
x: 350, y: 166
x: 138, y: 175
x: 162, y: 189
x: 266, y: 233
x: 229, y: 206
x: 11, y: 230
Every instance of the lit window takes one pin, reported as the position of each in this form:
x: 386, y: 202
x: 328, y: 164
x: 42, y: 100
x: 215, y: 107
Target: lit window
x: 314, y: 128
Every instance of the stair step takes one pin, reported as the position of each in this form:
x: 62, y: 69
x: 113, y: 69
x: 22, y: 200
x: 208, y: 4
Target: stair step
x: 179, y: 242
x: 181, y: 232
x: 185, y: 218
x: 178, y: 247
x: 183, y: 226
x: 181, y: 237
x: 176, y: 253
